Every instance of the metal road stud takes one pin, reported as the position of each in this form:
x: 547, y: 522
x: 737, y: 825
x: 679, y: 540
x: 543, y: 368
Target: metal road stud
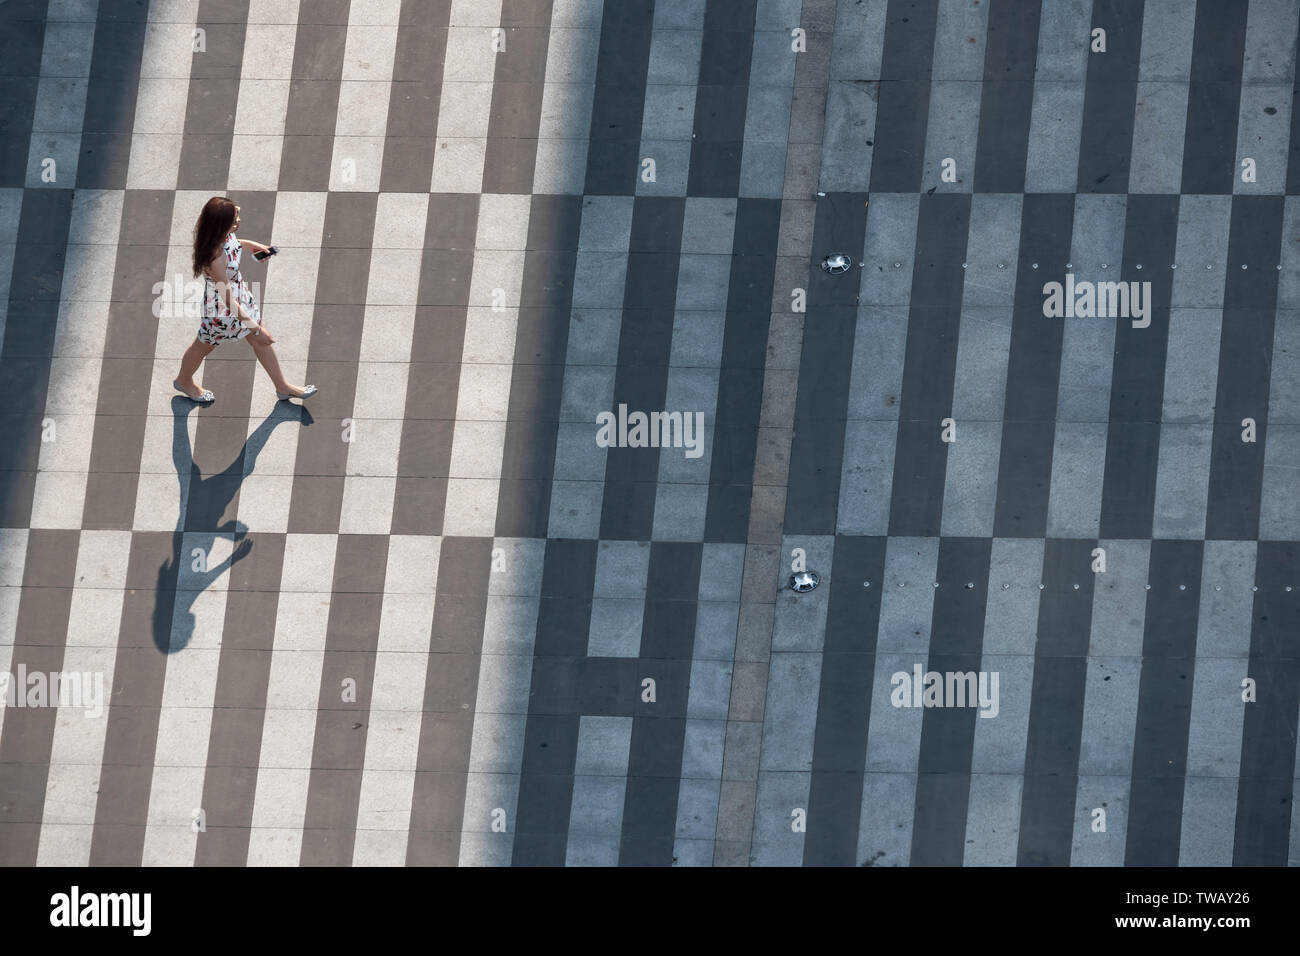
x: 803, y: 581
x: 836, y: 263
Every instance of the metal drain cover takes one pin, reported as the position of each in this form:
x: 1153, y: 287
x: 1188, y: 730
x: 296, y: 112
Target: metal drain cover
x: 836, y: 263
x: 803, y: 581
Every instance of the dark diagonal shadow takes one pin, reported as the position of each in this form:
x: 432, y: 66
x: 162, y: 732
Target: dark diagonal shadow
x: 173, y: 620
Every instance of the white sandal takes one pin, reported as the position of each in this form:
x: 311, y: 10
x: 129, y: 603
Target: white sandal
x: 307, y: 392
x: 207, y: 398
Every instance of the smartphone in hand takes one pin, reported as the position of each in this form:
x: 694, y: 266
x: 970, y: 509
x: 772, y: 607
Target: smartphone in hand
x: 270, y: 251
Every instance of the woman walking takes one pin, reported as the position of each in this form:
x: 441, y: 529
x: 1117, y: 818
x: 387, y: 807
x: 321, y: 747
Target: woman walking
x: 230, y: 311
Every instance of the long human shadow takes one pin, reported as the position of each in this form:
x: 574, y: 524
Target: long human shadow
x: 173, y: 620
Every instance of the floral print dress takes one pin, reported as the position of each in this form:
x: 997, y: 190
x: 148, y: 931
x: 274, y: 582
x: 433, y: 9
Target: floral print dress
x: 218, y: 324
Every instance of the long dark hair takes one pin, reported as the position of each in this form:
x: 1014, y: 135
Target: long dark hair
x: 210, y: 231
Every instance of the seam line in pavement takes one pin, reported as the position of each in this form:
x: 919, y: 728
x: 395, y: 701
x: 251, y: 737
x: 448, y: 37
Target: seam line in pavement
x: 744, y: 738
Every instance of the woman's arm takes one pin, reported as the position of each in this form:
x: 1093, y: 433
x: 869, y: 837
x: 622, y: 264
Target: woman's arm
x: 251, y: 245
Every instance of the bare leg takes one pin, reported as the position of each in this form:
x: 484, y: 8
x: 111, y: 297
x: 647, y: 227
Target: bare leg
x: 266, y: 355
x: 190, y: 362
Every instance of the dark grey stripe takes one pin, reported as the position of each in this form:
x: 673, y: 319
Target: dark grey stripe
x: 825, y: 368
x: 537, y: 380
x: 516, y: 111
x: 314, y: 96
x: 622, y: 63
x: 1047, y: 810
x: 110, y: 95
x: 126, y: 373
x: 740, y: 377
x: 450, y: 692
x: 1106, y: 143
x: 844, y: 703
x: 40, y: 255
x: 903, y: 103
x: 22, y: 40
x: 929, y: 365
x: 546, y: 294
x: 339, y: 746
x: 239, y: 704
x: 332, y: 357
x: 126, y: 776
x: 1164, y: 711
x: 721, y: 98
x: 1245, y: 358
x: 1137, y: 382
x: 644, y: 347
x: 49, y: 575
x: 1268, y: 751
x: 214, y: 94
x: 554, y: 705
x: 433, y: 377
x: 948, y: 733
x: 1213, y: 97
x: 654, y: 765
x: 415, y: 97
x: 1007, y: 95
x: 1033, y: 371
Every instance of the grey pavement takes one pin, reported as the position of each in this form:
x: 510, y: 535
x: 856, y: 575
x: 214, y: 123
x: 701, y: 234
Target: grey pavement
x: 512, y: 589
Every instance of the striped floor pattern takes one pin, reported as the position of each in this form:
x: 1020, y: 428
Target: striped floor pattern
x: 431, y: 619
